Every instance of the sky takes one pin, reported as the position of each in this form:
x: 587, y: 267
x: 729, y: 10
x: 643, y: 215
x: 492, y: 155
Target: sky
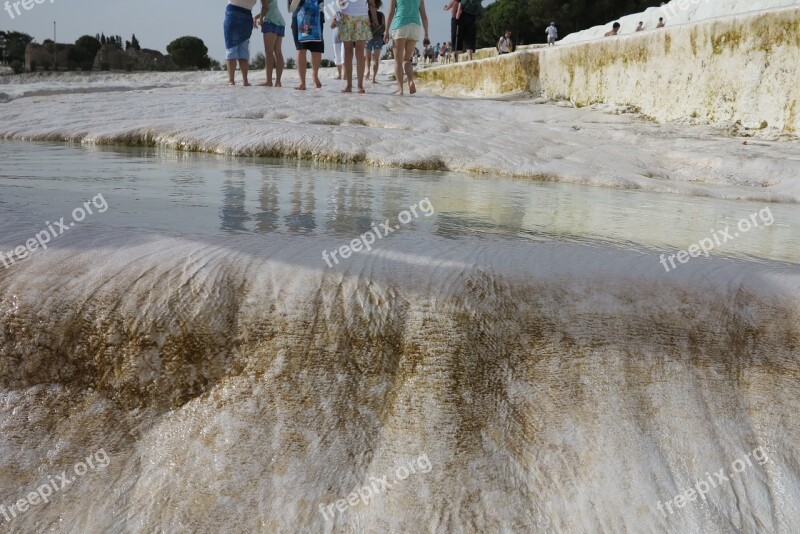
x: 157, y: 22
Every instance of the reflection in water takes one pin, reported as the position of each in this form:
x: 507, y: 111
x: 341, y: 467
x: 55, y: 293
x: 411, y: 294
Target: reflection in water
x: 302, y: 205
x: 350, y: 207
x: 268, y: 201
x: 155, y: 190
x: 233, y: 213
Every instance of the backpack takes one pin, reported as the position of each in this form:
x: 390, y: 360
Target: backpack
x: 472, y: 7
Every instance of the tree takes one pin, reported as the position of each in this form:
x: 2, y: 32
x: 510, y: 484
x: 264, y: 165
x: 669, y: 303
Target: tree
x: 15, y: 44
x: 135, y: 43
x: 84, y: 51
x: 291, y: 63
x: 102, y: 38
x: 189, y: 52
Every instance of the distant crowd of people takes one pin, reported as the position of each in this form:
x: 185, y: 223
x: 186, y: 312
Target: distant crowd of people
x: 360, y: 31
x: 617, y: 27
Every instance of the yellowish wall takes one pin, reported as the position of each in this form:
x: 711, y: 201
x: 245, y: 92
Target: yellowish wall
x: 742, y: 68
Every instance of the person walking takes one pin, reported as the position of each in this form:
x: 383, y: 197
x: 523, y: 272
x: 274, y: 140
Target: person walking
x: 467, y: 29
x: 403, y: 27
x: 309, y: 40
x: 338, y: 47
x: 238, y: 28
x: 273, y: 28
x: 354, y: 31
x: 375, y: 45
x: 452, y: 7
x: 552, y: 34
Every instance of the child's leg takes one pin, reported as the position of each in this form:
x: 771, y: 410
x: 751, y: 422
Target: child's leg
x: 376, y: 61
x: 360, y: 60
x: 367, y: 54
x: 269, y: 52
x: 278, y: 61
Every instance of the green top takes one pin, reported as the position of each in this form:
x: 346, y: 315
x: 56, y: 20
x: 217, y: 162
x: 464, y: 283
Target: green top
x: 274, y: 14
x: 406, y: 12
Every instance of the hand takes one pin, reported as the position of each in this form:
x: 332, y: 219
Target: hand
x: 256, y: 21
x: 386, y: 37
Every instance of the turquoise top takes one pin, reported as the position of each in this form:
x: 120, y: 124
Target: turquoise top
x: 274, y: 14
x: 407, y: 12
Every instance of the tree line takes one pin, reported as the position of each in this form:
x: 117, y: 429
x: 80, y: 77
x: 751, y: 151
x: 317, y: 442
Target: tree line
x: 185, y: 52
x: 527, y: 19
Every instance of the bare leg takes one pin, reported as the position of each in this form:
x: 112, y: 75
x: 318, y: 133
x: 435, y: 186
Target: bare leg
x: 360, y: 60
x: 316, y: 61
x: 231, y: 72
x: 409, y: 68
x: 339, y: 71
x: 301, y: 69
x: 279, y: 63
x: 399, y: 57
x: 244, y: 65
x: 367, y: 55
x: 269, y: 51
x: 376, y: 61
x: 348, y: 67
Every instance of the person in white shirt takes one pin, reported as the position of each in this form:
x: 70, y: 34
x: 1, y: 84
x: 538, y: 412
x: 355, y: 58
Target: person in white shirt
x: 552, y: 34
x: 504, y: 44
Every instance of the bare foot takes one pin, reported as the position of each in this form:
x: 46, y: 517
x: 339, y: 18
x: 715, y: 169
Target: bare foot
x: 347, y: 90
x: 398, y: 93
x: 412, y: 88
x: 374, y: 80
x: 301, y: 87
x: 231, y: 84
x: 317, y: 83
x: 361, y: 90
x: 246, y: 84
x: 265, y: 84
x: 278, y: 84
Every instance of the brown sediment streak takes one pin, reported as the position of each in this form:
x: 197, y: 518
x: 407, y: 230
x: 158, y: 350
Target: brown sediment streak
x: 284, y: 385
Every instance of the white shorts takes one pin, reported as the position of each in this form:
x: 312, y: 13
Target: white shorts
x: 410, y: 32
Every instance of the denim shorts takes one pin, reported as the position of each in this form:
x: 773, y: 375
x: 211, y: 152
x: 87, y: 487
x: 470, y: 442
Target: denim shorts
x: 239, y: 52
x: 269, y: 27
x: 375, y: 44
